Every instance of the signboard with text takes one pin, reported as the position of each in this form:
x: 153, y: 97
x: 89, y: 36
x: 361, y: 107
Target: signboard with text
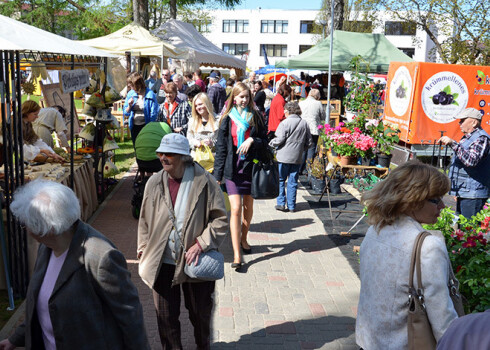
x: 73, y: 80
x: 424, y: 98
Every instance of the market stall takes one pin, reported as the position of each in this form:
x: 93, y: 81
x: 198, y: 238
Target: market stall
x: 26, y: 46
x: 201, y: 51
x: 374, y: 48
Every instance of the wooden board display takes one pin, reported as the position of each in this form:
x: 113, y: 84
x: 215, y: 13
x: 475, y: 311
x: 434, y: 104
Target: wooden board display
x: 54, y: 97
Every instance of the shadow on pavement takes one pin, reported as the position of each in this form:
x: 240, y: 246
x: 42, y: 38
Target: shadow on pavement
x: 312, y: 244
x: 293, y: 335
x: 280, y: 226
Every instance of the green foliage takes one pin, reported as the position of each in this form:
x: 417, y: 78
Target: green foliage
x: 468, y: 251
x: 359, y: 98
x: 385, y: 134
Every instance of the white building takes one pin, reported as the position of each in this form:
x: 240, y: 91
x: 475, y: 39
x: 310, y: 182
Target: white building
x: 287, y: 33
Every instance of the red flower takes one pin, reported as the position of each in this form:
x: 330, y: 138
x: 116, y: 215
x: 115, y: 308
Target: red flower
x: 469, y: 243
x: 458, y: 268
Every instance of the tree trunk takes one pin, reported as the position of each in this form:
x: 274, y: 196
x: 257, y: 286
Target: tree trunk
x: 338, y: 14
x: 140, y: 12
x: 173, y: 9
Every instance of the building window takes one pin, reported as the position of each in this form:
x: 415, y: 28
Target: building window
x: 358, y: 26
x: 235, y: 26
x: 303, y: 48
x: 271, y: 26
x: 400, y: 28
x: 410, y: 52
x: 235, y: 49
x: 306, y: 27
x: 274, y: 50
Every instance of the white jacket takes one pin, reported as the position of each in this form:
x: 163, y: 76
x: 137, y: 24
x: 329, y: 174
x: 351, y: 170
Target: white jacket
x: 385, y: 262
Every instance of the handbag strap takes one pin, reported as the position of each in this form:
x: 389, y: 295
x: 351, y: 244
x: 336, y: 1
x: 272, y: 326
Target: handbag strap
x: 415, y: 263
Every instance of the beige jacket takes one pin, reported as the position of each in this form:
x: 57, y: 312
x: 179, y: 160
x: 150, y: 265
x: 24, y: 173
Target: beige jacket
x: 206, y: 221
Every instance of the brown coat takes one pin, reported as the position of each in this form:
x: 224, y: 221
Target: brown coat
x: 206, y: 221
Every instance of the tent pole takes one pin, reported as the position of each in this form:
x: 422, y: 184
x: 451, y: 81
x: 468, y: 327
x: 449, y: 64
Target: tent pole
x: 330, y: 62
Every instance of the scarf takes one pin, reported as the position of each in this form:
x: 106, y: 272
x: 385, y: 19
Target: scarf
x: 242, y: 123
x: 173, y: 248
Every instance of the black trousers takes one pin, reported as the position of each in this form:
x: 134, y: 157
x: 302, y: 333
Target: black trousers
x: 198, y: 301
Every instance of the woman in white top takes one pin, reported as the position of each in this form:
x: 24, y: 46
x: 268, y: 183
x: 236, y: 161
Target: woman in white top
x: 203, y: 125
x: 35, y: 149
x: 51, y: 120
x: 397, y: 207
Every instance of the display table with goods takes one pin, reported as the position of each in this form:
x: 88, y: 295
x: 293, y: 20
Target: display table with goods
x: 83, y: 180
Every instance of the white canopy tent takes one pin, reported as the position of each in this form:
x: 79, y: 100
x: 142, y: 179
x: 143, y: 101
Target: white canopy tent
x: 201, y: 51
x: 137, y: 40
x: 18, y: 36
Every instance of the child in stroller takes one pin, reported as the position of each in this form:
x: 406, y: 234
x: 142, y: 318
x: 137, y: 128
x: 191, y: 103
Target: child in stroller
x: 145, y: 146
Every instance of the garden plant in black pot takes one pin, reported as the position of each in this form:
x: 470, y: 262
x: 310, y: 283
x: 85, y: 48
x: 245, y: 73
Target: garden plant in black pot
x: 316, y: 175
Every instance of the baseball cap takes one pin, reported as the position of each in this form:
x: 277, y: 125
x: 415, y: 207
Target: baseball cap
x: 214, y: 75
x: 174, y: 143
x: 470, y: 113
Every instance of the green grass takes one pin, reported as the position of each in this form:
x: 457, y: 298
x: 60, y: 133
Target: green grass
x: 124, y: 157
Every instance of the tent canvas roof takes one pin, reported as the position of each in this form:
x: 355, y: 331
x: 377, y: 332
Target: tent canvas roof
x: 18, y: 36
x: 374, y: 48
x: 200, y: 50
x: 136, y: 39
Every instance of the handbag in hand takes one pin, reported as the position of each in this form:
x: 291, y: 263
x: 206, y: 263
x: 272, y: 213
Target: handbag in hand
x: 420, y: 336
x: 265, y: 177
x: 210, y: 265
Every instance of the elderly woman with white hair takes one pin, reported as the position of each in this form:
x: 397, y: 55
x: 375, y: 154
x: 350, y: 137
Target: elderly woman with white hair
x: 80, y: 295
x: 313, y: 112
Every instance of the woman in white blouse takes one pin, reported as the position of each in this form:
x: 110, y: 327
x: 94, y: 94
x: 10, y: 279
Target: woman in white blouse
x: 35, y: 149
x: 203, y: 125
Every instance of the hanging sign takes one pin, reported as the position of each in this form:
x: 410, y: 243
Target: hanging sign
x: 73, y: 80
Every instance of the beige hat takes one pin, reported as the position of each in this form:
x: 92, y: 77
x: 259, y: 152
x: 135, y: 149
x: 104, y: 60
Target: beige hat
x: 470, y: 113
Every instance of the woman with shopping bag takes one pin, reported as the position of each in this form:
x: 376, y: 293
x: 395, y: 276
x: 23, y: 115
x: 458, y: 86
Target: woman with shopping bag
x: 242, y: 139
x: 203, y: 131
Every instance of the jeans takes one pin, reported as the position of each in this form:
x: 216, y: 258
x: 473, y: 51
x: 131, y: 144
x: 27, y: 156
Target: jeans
x: 289, y: 172
x: 469, y: 206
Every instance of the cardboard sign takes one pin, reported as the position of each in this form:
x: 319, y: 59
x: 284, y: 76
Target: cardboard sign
x: 73, y: 80
x: 424, y: 98
x: 53, y: 96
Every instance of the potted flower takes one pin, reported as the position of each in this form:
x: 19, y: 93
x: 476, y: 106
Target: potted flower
x: 326, y: 131
x: 316, y: 172
x: 359, y: 100
x: 386, y: 136
x: 468, y: 251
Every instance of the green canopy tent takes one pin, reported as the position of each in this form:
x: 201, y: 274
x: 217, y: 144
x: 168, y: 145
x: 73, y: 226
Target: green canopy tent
x: 374, y: 48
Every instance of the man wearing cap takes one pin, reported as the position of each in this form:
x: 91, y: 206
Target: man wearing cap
x: 216, y: 93
x: 183, y: 192
x: 470, y: 167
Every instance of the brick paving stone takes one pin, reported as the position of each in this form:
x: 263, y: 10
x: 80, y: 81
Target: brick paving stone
x: 298, y: 289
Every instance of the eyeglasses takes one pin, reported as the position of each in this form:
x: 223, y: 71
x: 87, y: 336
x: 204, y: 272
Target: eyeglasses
x: 435, y: 201
x: 168, y: 155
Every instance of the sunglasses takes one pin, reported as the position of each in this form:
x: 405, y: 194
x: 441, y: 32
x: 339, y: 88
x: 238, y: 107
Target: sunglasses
x: 167, y: 155
x: 435, y: 201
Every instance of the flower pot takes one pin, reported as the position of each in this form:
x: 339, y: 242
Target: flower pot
x: 334, y: 186
x: 317, y: 185
x: 348, y: 160
x: 365, y: 161
x: 384, y: 160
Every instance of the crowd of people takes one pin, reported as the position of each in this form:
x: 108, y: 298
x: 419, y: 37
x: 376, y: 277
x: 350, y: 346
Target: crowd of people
x: 183, y: 215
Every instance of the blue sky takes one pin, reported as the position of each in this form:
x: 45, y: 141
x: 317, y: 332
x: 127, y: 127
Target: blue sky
x: 281, y: 4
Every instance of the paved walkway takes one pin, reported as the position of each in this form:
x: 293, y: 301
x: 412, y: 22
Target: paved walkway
x: 297, y: 291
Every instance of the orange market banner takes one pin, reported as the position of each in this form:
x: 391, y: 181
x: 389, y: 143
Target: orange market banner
x: 424, y: 98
